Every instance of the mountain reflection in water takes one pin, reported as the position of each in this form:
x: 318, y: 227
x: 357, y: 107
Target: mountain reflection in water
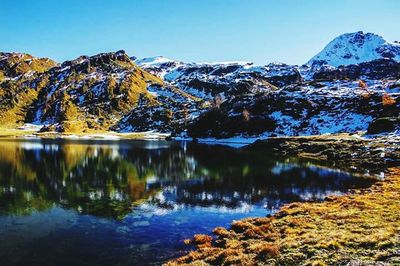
x: 133, y: 189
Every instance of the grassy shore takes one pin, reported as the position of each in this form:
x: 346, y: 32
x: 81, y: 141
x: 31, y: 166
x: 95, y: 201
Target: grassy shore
x: 361, y: 228
x: 10, y: 133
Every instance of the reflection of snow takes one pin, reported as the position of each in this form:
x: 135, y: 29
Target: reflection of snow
x: 154, y: 209
x: 27, y: 145
x: 308, y: 196
x: 279, y: 168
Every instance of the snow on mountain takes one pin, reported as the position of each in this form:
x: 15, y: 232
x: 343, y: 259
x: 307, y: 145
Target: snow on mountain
x: 158, y: 65
x: 154, y: 61
x: 311, y: 108
x: 206, y: 80
x: 355, y: 48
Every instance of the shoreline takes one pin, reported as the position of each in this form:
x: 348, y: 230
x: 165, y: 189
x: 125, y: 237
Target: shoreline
x: 107, y: 135
x: 358, y: 228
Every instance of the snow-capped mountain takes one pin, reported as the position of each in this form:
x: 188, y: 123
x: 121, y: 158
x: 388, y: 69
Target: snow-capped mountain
x: 355, y: 48
x: 112, y: 91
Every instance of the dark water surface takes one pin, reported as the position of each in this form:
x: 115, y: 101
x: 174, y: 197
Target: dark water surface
x: 134, y: 202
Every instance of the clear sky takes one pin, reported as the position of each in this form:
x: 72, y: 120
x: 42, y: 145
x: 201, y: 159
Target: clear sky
x: 262, y: 31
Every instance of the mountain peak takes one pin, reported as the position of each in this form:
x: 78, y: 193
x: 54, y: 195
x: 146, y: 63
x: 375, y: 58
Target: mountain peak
x: 14, y: 64
x: 355, y: 48
x: 104, y: 61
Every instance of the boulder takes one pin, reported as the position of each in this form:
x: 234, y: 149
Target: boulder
x: 383, y: 124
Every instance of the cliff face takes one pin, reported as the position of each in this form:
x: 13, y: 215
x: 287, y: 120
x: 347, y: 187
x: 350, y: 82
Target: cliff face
x: 90, y: 92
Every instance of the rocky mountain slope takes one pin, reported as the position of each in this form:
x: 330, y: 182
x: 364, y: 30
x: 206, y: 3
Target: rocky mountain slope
x: 310, y: 108
x: 112, y: 91
x: 100, y: 92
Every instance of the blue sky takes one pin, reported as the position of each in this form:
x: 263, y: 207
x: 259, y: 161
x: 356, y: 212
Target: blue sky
x: 262, y: 31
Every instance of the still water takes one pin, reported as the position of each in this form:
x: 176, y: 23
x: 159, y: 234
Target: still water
x: 134, y: 202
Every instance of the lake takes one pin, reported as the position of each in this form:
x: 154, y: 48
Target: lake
x: 65, y: 202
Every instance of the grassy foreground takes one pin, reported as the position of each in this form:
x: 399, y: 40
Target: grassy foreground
x: 361, y: 228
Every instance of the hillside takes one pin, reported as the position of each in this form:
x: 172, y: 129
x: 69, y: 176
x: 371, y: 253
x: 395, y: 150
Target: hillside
x: 94, y: 93
x: 17, y: 73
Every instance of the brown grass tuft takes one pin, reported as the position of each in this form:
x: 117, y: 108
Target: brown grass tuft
x: 387, y: 100
x: 202, y: 240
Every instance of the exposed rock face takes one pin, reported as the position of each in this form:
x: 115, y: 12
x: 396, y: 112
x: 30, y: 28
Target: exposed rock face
x: 377, y: 69
x: 15, y: 64
x: 170, y: 110
x: 384, y: 124
x: 99, y: 89
x: 17, y: 73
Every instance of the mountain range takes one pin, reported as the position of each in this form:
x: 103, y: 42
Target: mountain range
x: 352, y: 85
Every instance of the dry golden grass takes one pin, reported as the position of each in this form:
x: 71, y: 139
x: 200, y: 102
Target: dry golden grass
x: 14, y: 116
x: 14, y: 133
x: 362, y: 227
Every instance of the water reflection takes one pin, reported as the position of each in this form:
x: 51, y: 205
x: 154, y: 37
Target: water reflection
x: 107, y: 180
x: 151, y: 194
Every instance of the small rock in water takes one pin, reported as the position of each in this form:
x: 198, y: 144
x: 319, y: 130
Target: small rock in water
x: 141, y: 223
